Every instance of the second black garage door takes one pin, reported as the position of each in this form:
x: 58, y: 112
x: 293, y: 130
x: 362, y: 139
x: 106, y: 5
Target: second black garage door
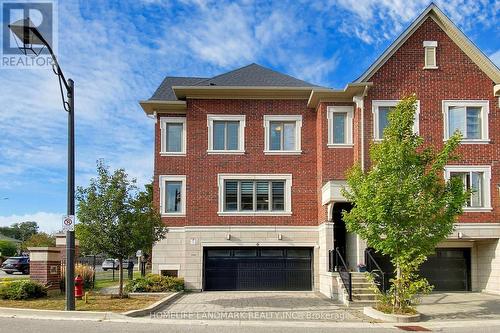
x: 448, y: 269
x: 258, y: 268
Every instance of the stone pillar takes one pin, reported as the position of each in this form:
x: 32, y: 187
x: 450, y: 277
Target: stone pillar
x: 45, y: 266
x: 61, y: 245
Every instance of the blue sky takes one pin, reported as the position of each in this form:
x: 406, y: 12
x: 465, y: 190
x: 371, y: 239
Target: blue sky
x: 118, y: 52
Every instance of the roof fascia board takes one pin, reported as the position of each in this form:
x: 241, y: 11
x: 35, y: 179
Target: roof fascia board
x: 151, y: 107
x: 337, y: 95
x: 236, y: 92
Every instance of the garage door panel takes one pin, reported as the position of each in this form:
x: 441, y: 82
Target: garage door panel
x: 267, y: 269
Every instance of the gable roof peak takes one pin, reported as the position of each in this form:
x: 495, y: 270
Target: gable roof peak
x: 458, y: 37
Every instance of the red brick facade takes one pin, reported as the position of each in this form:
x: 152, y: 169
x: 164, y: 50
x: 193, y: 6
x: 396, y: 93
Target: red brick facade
x: 456, y: 78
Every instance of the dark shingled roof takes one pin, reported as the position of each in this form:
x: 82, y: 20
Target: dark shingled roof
x: 252, y: 75
x: 165, y: 92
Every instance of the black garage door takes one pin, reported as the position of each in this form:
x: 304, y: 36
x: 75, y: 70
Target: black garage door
x: 448, y: 270
x: 258, y: 268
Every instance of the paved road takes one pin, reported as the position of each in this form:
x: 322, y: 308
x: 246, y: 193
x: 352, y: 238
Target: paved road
x: 43, y: 325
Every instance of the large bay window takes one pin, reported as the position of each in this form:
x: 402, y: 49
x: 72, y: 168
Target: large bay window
x: 470, y: 118
x: 475, y: 179
x: 243, y: 194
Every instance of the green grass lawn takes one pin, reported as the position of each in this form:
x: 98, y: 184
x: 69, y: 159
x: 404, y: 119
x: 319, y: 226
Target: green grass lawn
x: 94, y: 303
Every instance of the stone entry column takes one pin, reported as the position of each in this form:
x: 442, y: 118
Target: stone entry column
x: 45, y: 266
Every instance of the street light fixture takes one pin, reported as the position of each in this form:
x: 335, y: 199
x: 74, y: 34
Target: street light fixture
x: 29, y: 35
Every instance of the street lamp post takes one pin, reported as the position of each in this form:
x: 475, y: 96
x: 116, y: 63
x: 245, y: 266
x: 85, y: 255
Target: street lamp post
x: 29, y: 35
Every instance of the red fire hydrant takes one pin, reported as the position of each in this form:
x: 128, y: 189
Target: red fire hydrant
x: 78, y: 287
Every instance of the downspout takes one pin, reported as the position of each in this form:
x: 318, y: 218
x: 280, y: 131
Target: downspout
x: 359, y: 100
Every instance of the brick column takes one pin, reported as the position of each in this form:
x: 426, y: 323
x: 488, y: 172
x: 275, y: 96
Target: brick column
x: 61, y: 245
x: 45, y: 266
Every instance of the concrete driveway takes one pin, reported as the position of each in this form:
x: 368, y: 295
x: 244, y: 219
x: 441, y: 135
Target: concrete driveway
x: 460, y: 306
x: 283, y: 306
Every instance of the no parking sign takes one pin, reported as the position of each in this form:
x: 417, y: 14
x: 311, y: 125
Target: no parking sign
x: 68, y: 223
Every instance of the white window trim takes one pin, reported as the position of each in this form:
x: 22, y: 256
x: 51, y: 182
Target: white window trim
x: 349, y: 110
x: 222, y: 177
x: 173, y: 178
x: 163, y: 128
x: 298, y: 130
x: 485, y: 111
x: 378, y: 103
x: 486, y: 170
x: 430, y: 45
x: 241, y: 133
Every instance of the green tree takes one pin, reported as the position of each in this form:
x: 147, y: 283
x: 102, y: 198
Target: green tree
x: 402, y: 206
x: 114, y: 216
x: 38, y: 240
x: 7, y: 248
x: 21, y: 231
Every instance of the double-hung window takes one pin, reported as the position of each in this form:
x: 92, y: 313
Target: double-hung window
x: 381, y: 110
x: 282, y: 134
x: 475, y: 179
x: 173, y: 195
x: 339, y: 126
x: 243, y: 194
x: 173, y: 136
x: 226, y: 134
x: 470, y: 118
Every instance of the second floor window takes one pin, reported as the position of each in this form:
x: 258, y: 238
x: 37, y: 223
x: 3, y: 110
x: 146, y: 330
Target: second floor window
x: 254, y: 194
x: 173, y: 195
x: 282, y: 134
x: 173, y: 136
x: 475, y: 179
x: 470, y: 118
x: 226, y: 134
x: 242, y: 195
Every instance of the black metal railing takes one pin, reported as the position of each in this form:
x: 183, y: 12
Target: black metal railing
x: 337, y: 263
x: 372, y: 266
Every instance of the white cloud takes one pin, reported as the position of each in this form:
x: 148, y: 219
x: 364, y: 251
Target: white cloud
x: 374, y: 21
x: 495, y: 57
x: 48, y: 222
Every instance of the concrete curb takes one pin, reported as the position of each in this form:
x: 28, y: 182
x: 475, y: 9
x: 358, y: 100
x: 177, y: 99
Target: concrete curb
x: 153, y: 307
x: 119, y: 318
x: 56, y: 314
x: 391, y: 318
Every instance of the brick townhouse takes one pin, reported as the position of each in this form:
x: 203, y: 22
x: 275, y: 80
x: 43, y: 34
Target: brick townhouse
x: 249, y: 165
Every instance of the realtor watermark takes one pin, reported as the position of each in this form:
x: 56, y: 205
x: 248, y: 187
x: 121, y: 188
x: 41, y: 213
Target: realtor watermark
x: 42, y: 15
x: 256, y: 315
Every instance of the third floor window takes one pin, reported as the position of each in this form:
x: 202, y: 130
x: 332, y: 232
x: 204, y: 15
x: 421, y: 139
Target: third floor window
x: 226, y: 134
x: 470, y: 118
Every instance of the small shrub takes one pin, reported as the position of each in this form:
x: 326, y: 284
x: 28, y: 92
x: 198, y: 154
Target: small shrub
x: 87, y: 273
x: 24, y: 289
x: 155, y: 283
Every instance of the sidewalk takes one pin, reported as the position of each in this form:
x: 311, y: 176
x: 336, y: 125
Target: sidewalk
x: 119, y: 318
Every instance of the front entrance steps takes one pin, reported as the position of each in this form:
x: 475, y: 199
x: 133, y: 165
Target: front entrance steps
x: 363, y: 293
